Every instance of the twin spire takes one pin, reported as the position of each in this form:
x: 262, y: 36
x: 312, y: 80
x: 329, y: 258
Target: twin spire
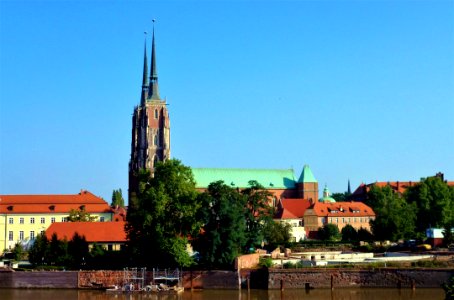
x: 150, y: 89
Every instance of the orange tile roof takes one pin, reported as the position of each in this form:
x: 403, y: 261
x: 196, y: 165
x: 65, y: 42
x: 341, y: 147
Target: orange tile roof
x: 12, y: 204
x: 342, y: 209
x: 293, y: 208
x: 93, y: 231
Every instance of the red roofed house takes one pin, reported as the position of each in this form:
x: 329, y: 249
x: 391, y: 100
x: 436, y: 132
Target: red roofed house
x: 23, y: 217
x: 110, y: 235
x: 360, y: 194
x: 292, y: 211
x: 356, y: 214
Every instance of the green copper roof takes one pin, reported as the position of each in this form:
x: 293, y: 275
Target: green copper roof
x: 239, y: 178
x: 326, y: 196
x: 306, y: 175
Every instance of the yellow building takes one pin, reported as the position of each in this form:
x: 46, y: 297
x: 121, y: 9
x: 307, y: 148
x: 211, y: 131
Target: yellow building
x: 23, y: 217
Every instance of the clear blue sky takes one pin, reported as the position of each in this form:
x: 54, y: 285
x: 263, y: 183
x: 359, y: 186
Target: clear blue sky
x: 359, y: 90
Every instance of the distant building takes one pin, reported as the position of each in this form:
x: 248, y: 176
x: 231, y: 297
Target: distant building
x: 281, y: 183
x: 109, y: 235
x: 150, y: 141
x: 356, y: 214
x: 292, y: 211
x: 399, y: 187
x: 23, y: 217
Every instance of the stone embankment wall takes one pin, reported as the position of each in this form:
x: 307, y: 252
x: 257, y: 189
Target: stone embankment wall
x: 38, y: 279
x: 252, y: 278
x: 388, y: 278
x: 210, y: 280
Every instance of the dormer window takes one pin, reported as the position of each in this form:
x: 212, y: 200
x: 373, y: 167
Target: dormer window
x: 10, y: 208
x: 52, y: 207
x: 82, y: 207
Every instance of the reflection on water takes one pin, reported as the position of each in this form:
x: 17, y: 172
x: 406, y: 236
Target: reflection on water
x: 316, y: 294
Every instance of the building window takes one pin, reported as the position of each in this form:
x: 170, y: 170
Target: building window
x: 42, y: 232
x: 10, y: 236
x: 343, y: 220
x: 156, y: 113
x: 156, y: 140
x: 21, y: 235
x: 52, y: 220
x: 32, y: 220
x: 43, y: 220
x: 10, y: 221
x: 32, y: 235
x: 101, y: 219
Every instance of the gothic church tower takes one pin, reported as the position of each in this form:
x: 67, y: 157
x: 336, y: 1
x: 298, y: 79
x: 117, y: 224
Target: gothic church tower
x: 150, y: 125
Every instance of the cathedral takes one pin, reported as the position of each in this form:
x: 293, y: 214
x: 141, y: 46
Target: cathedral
x: 150, y: 125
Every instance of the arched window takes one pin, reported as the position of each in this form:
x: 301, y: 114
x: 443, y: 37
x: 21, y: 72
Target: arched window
x: 156, y: 140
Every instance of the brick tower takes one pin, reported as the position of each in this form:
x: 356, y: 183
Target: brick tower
x: 150, y: 125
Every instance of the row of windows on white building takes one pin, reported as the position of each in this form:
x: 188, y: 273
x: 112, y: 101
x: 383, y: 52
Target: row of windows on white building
x: 347, y: 220
x: 43, y: 220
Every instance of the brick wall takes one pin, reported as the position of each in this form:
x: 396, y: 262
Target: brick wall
x: 247, y: 261
x: 321, y: 278
x: 38, y: 279
x: 210, y: 280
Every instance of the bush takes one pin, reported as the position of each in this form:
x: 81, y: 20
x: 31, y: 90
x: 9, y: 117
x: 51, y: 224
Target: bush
x: 265, y: 262
x: 429, y: 264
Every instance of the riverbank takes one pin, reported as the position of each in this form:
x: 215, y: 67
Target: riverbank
x: 307, y: 278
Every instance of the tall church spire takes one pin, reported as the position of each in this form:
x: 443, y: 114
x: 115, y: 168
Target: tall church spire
x: 145, y: 74
x: 153, y: 92
x: 150, y: 142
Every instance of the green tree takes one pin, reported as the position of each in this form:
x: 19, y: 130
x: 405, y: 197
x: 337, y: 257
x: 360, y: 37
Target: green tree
x: 349, y: 233
x: 77, y: 251
x: 277, y: 234
x: 19, y: 252
x: 117, y: 199
x: 434, y: 200
x: 449, y: 288
x: 258, y: 212
x: 329, y: 232
x: 395, y: 218
x: 364, y: 235
x: 222, y: 237
x: 163, y: 215
x: 448, y: 236
x: 58, y: 251
x: 340, y: 197
x: 80, y: 215
x: 38, y: 253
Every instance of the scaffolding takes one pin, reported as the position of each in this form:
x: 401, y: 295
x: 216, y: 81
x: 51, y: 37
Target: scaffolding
x: 167, y: 277
x: 134, y: 279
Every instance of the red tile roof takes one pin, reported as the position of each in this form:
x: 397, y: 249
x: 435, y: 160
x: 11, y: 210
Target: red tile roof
x: 293, y: 208
x: 397, y: 186
x: 93, y: 231
x: 342, y: 209
x: 52, y: 203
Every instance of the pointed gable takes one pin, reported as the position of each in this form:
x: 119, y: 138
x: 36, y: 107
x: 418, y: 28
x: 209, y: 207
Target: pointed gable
x: 307, y: 175
x: 293, y: 208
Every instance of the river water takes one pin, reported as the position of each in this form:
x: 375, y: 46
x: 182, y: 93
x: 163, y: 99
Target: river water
x: 316, y: 294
